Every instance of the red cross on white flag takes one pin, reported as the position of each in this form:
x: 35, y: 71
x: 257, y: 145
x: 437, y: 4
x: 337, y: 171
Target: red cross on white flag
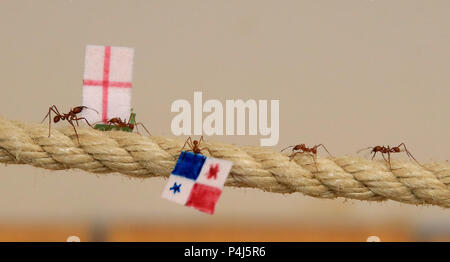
x: 108, y: 73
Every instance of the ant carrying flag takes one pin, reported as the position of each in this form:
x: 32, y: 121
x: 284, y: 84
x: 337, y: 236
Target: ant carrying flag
x: 197, y: 181
x: 107, y: 82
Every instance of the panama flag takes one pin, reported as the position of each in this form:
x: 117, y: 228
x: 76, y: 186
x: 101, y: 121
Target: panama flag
x: 108, y: 72
x: 197, y: 181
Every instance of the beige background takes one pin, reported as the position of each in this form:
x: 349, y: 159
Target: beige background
x: 348, y: 74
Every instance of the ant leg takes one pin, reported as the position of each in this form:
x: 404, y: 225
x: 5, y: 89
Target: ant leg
x: 286, y: 148
x: 388, y: 161
x: 76, y: 133
x: 311, y: 155
x: 49, y: 121
x: 82, y: 118
x: 184, y: 144
x: 125, y: 120
x: 50, y: 109
x: 187, y: 142
x: 409, y: 153
x: 314, y: 157
x: 143, y: 127
x: 97, y: 122
x: 114, y: 126
x: 209, y: 151
x: 321, y: 145
x: 189, y: 150
x: 374, y: 153
x: 200, y: 140
x: 49, y: 115
x: 57, y: 111
x: 294, y: 154
x: 413, y: 158
x: 137, y: 129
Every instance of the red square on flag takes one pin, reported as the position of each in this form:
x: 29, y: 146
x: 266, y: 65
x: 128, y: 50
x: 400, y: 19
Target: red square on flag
x: 204, y: 198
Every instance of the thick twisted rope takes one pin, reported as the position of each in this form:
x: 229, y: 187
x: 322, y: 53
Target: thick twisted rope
x: 258, y: 167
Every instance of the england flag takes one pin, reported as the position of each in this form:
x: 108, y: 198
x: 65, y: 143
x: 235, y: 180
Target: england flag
x: 197, y: 181
x: 108, y: 72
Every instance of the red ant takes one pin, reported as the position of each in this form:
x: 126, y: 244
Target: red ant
x: 70, y: 117
x: 388, y: 150
x: 119, y: 123
x: 302, y: 148
x: 194, y: 145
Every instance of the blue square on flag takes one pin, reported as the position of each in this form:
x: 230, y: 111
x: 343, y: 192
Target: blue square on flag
x: 189, y: 165
x: 197, y: 181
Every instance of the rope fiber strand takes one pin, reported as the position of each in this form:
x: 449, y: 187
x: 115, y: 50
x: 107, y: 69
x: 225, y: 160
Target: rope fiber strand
x: 257, y: 167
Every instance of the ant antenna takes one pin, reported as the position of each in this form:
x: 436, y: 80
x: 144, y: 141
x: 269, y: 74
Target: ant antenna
x: 50, y: 109
x: 90, y: 109
x: 325, y: 149
x: 286, y: 148
x: 45, y: 118
x: 97, y: 122
x: 366, y: 148
x: 409, y: 153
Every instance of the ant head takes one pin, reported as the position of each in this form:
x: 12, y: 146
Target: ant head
x: 314, y: 150
x: 396, y: 149
x: 56, y: 119
x: 77, y: 109
x: 297, y: 147
x: 195, y: 142
x: 131, y: 126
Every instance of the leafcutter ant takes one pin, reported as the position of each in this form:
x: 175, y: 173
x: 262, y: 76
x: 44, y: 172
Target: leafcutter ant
x: 302, y: 148
x: 194, y: 145
x: 131, y: 124
x: 390, y: 150
x: 69, y: 117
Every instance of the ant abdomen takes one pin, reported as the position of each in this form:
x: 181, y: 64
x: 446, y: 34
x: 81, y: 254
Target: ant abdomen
x: 377, y: 149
